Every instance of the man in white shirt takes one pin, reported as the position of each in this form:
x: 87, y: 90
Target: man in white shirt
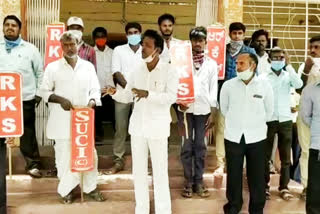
x: 247, y: 104
x: 67, y: 82
x: 282, y: 77
x: 153, y: 86
x: 310, y: 71
x: 124, y: 59
x: 259, y: 41
x: 199, y: 115
x: 104, y: 73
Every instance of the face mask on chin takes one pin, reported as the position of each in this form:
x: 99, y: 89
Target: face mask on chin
x: 245, y: 75
x: 235, y: 46
x: 151, y: 57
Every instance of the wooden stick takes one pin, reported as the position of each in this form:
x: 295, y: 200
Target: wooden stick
x: 10, y: 162
x: 81, y: 186
x: 186, y: 124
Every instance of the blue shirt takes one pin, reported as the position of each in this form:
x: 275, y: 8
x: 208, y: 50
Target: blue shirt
x: 26, y: 60
x: 281, y: 86
x: 310, y: 112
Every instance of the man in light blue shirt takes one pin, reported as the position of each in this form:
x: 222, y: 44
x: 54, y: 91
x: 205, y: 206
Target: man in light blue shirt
x: 310, y: 112
x: 282, y: 78
x: 17, y: 55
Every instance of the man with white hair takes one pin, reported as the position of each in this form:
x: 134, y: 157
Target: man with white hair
x: 67, y: 82
x: 86, y: 52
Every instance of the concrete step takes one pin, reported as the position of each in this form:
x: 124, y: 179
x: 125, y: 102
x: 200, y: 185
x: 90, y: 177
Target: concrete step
x: 120, y: 202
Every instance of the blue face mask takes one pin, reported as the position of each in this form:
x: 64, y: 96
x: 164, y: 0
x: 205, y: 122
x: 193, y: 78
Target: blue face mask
x: 134, y: 39
x: 278, y: 65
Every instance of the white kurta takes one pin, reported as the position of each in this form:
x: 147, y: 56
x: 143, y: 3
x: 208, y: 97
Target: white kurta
x: 78, y: 85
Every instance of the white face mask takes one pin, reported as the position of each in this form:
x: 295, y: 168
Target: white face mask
x: 78, y: 34
x: 245, y: 75
x: 150, y: 58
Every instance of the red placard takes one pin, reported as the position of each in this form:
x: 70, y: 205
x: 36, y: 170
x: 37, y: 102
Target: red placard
x: 53, y: 46
x: 11, y: 111
x: 217, y: 47
x: 82, y: 139
x: 181, y: 58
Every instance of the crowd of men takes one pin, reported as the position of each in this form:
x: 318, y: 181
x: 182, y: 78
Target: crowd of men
x: 254, y: 111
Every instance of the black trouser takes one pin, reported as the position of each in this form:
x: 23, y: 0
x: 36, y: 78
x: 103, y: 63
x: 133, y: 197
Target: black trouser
x: 28, y: 141
x: 284, y: 131
x: 194, y: 149
x: 254, y: 153
x: 296, y: 153
x: 3, y: 188
x: 104, y: 113
x: 313, y: 189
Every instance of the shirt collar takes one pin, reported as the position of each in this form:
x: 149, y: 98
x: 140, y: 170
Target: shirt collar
x: 21, y: 43
x: 105, y: 50
x: 139, y: 49
x: 64, y: 61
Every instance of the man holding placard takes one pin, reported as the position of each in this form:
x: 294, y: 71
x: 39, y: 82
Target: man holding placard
x: 67, y: 83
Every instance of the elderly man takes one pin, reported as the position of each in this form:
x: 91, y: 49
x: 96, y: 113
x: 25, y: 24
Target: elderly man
x: 154, y: 84
x: 20, y: 56
x: 70, y: 81
x: 247, y: 104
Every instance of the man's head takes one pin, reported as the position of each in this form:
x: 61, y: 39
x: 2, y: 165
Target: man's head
x: 69, y: 43
x: 198, y: 38
x: 277, y: 57
x: 152, y: 45
x: 237, y: 31
x: 246, y: 65
x: 259, y: 40
x: 99, y: 35
x: 11, y: 27
x: 166, y: 23
x: 315, y: 46
x: 133, y: 31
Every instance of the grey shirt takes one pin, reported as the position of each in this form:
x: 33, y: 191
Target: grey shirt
x: 310, y: 112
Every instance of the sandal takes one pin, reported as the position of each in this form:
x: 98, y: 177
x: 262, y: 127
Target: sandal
x: 202, y: 191
x: 286, y: 195
x: 68, y: 199
x: 96, y: 195
x: 187, y: 192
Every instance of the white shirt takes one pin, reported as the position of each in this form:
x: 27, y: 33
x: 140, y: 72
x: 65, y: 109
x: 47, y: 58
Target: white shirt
x: 314, y: 74
x: 151, y: 116
x: 165, y: 55
x: 78, y: 85
x: 295, y: 99
x: 205, y: 84
x: 123, y: 61
x: 263, y: 65
x: 246, y: 109
x: 104, y: 60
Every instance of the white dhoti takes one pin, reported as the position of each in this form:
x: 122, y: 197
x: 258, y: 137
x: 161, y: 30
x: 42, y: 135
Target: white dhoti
x: 69, y: 180
x: 159, y: 157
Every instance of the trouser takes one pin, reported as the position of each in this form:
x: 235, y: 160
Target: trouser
x: 69, y: 180
x: 28, y: 141
x: 284, y: 131
x: 194, y: 149
x: 159, y: 158
x: 304, y: 141
x: 104, y: 113
x: 219, y: 138
x: 296, y: 153
x: 3, y: 188
x: 313, y: 190
x: 254, y: 154
x: 122, y: 111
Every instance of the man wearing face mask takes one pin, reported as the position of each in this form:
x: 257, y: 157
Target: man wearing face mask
x: 86, y: 52
x: 237, y: 33
x: 310, y: 71
x: 247, y: 104
x: 199, y: 115
x: 124, y: 59
x: 282, y: 78
x: 152, y: 86
x: 104, y: 59
x: 67, y: 82
x: 23, y: 57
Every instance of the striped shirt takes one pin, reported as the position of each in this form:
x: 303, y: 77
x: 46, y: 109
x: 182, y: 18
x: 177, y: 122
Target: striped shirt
x: 88, y: 53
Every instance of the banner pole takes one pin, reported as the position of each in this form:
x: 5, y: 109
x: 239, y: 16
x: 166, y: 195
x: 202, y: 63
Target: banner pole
x: 81, y: 186
x: 10, y: 162
x: 186, y: 124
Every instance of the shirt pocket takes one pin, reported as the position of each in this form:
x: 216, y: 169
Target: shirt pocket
x: 159, y: 86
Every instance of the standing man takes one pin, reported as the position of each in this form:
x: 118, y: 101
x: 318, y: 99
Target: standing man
x: 282, y: 77
x: 154, y: 85
x: 259, y: 41
x: 3, y: 167
x: 234, y: 49
x: 199, y: 115
x: 104, y: 60
x: 85, y: 51
x: 70, y: 81
x: 246, y: 103
x: 310, y: 72
x: 20, y: 56
x: 310, y: 113
x: 124, y: 59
